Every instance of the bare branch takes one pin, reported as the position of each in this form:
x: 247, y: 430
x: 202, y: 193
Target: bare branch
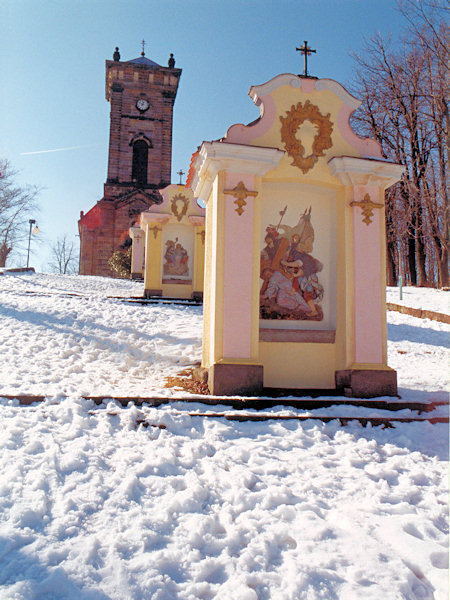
x: 404, y: 93
x: 17, y: 205
x: 63, y: 259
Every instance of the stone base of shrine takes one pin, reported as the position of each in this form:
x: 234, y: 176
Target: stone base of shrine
x: 367, y: 383
x: 152, y: 292
x: 235, y: 379
x: 231, y: 379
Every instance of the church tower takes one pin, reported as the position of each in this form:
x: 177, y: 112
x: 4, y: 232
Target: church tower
x: 141, y: 94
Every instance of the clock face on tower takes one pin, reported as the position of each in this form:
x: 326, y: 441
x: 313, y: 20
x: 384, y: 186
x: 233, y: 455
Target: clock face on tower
x: 142, y: 105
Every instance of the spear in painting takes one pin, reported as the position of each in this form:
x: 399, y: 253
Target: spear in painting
x: 281, y: 213
x: 282, y: 246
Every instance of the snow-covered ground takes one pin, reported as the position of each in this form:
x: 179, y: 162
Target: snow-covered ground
x: 87, y: 343
x: 151, y: 503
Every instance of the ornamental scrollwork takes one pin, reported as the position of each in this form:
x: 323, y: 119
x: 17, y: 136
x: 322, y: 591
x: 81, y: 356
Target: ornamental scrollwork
x: 322, y: 140
x: 240, y: 192
x: 367, y: 205
x: 174, y: 206
x: 155, y: 230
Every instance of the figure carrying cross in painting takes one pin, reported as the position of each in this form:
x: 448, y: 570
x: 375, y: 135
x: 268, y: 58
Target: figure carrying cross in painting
x: 291, y: 289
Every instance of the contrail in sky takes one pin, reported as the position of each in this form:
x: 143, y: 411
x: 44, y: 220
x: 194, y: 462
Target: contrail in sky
x: 58, y: 149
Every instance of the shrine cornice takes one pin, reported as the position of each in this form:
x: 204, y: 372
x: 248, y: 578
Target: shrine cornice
x: 352, y: 170
x: 197, y: 221
x: 153, y: 217
x: 214, y: 157
x: 136, y: 232
x: 257, y: 92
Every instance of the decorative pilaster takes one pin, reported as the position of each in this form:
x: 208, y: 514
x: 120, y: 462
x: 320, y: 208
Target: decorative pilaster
x: 238, y: 266
x: 366, y: 179
x: 368, y: 281
x: 199, y: 256
x: 137, y: 252
x: 226, y: 179
x: 153, y: 223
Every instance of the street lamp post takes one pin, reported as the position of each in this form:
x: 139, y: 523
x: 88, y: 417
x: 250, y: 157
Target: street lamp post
x: 34, y: 229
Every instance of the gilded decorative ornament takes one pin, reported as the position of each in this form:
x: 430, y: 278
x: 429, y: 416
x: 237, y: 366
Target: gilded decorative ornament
x: 240, y: 192
x: 155, y: 230
x: 202, y: 236
x: 366, y: 205
x: 322, y: 140
x: 179, y: 214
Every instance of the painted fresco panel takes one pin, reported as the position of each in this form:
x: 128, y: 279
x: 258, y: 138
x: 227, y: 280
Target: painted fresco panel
x: 177, y: 254
x: 298, y: 257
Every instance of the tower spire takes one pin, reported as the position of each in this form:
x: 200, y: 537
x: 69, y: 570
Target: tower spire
x: 143, y: 48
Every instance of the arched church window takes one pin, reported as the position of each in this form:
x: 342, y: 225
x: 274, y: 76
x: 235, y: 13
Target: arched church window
x: 140, y: 162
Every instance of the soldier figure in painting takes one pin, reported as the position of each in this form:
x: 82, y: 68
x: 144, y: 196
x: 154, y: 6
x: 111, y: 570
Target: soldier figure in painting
x: 291, y: 289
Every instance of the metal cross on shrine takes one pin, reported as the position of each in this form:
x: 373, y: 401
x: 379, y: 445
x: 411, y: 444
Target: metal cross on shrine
x: 143, y: 48
x: 306, y: 52
x: 180, y: 173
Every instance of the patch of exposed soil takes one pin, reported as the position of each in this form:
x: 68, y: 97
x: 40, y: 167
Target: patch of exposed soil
x: 185, y: 381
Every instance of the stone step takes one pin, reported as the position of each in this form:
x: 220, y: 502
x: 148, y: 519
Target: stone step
x: 386, y: 422
x: 158, y: 300
x: 253, y: 403
x: 4, y: 270
x: 263, y: 403
x: 125, y: 299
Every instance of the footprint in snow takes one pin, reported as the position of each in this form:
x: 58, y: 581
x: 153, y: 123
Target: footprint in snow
x: 412, y: 530
x: 439, y: 560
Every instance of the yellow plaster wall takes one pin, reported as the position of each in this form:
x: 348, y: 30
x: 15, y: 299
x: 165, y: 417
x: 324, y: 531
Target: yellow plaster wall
x: 381, y: 200
x: 199, y: 258
x: 345, y: 334
x: 256, y: 281
x: 176, y: 290
x: 207, y: 288
x: 306, y: 365
x: 138, y: 253
x: 219, y: 232
x: 298, y: 365
x: 152, y: 276
x: 301, y: 365
x: 213, y: 282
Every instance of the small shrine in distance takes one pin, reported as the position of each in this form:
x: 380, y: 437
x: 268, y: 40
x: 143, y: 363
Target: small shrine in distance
x: 295, y: 246
x: 169, y: 246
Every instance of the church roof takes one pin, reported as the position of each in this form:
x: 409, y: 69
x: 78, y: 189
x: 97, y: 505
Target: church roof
x: 142, y: 60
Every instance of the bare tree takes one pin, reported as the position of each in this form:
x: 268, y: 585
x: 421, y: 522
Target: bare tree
x: 426, y: 20
x: 428, y: 23
x: 403, y: 91
x: 17, y: 204
x: 63, y: 257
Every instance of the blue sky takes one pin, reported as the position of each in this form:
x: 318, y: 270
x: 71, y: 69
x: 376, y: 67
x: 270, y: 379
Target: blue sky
x: 52, y: 94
